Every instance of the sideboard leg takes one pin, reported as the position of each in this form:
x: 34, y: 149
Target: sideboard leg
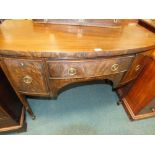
x: 119, y: 102
x: 29, y: 110
x: 27, y: 106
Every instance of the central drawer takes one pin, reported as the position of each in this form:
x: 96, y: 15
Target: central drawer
x: 88, y: 68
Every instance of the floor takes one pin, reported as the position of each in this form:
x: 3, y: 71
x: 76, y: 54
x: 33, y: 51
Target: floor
x: 84, y: 110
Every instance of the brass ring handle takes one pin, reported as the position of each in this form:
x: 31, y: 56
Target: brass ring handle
x: 22, y: 64
x: 115, y: 20
x: 137, y: 67
x: 114, y: 67
x: 153, y: 109
x: 72, y: 71
x: 27, y: 79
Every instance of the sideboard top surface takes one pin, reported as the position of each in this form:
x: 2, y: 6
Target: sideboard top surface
x: 26, y: 38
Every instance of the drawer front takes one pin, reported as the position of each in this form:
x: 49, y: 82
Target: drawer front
x: 27, y: 75
x: 88, y: 68
x: 135, y: 68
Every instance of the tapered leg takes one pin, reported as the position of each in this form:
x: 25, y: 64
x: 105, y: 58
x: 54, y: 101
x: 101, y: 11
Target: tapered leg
x: 27, y: 106
x: 119, y: 102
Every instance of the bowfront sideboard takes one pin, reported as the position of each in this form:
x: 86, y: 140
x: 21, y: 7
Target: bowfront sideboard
x: 39, y: 59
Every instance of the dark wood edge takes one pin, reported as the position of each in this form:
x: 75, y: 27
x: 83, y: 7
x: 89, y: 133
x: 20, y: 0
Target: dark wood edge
x: 147, y: 25
x: 34, y: 94
x: 74, y: 54
x: 89, y: 60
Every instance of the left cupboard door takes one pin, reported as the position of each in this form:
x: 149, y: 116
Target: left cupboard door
x: 27, y: 76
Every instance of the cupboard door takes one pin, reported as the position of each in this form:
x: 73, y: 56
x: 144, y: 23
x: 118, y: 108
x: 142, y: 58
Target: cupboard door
x: 27, y: 75
x: 135, y: 68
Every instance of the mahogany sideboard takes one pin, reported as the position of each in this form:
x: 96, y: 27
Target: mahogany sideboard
x: 39, y: 59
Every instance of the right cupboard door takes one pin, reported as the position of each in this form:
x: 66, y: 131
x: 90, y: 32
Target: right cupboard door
x: 135, y: 68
